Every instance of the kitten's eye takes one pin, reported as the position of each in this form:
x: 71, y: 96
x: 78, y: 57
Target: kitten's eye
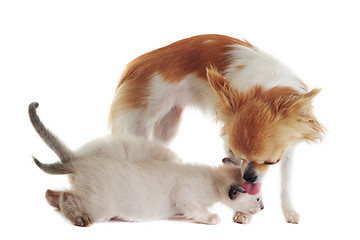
x: 230, y: 151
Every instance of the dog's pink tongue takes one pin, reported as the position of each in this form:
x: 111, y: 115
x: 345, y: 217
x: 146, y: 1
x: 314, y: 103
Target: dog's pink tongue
x: 252, y: 188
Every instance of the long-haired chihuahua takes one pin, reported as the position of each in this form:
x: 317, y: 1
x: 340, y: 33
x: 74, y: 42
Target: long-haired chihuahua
x: 264, y: 107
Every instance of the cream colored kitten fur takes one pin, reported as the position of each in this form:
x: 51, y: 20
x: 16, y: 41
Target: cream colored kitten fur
x: 121, y: 176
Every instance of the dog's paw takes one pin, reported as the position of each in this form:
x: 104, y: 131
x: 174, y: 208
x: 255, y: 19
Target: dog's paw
x: 214, y: 219
x: 242, y: 218
x: 292, y: 217
x: 82, y: 221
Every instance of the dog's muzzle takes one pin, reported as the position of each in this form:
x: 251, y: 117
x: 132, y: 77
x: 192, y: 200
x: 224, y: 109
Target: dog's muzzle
x: 250, y: 174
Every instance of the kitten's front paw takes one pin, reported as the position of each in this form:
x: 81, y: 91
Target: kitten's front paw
x: 242, y: 218
x: 214, y: 219
x: 292, y: 217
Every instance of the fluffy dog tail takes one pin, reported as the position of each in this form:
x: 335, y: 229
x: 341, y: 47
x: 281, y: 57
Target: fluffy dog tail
x: 53, y: 142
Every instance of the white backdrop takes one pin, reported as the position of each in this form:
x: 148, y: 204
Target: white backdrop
x: 68, y: 56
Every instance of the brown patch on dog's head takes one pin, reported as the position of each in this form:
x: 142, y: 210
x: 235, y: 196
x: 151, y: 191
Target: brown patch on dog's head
x: 261, y: 124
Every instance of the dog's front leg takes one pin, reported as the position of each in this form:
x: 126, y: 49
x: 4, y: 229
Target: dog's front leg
x: 291, y: 216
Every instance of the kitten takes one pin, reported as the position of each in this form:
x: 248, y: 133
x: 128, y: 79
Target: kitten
x: 130, y: 178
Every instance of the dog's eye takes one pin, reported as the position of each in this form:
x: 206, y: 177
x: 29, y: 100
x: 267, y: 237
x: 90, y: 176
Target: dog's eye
x: 271, y: 163
x: 268, y: 163
x: 257, y: 199
x: 230, y: 151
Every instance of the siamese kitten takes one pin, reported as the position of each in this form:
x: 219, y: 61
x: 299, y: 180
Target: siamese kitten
x: 130, y: 178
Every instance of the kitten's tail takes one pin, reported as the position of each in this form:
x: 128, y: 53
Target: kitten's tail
x: 54, y: 168
x: 61, y: 150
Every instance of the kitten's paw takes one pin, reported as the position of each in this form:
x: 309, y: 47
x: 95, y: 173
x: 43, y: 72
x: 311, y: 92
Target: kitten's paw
x: 242, y: 218
x: 82, y: 221
x: 292, y: 217
x: 214, y: 219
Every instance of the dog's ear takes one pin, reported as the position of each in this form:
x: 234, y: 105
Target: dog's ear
x: 313, y: 130
x: 299, y: 107
x: 295, y: 103
x: 235, y: 190
x: 227, y: 95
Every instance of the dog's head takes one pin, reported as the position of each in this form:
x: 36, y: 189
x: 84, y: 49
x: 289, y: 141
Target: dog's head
x: 261, y: 125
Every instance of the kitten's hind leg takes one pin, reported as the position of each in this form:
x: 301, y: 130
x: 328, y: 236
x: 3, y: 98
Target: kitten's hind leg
x: 69, y: 205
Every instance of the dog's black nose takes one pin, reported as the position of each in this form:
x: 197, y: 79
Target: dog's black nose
x: 250, y: 176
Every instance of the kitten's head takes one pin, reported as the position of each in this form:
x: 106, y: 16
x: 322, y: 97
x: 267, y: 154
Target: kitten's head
x: 240, y: 201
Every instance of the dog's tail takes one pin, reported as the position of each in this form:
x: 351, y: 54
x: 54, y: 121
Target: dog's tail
x: 61, y: 150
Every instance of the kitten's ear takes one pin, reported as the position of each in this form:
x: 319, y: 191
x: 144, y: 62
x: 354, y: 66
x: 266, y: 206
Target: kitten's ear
x: 229, y: 161
x: 235, y: 190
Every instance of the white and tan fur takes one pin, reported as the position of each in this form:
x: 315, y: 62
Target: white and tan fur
x: 131, y: 178
x: 265, y: 108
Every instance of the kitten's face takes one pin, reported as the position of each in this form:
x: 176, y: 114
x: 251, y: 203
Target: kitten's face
x: 249, y: 204
x: 242, y: 202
